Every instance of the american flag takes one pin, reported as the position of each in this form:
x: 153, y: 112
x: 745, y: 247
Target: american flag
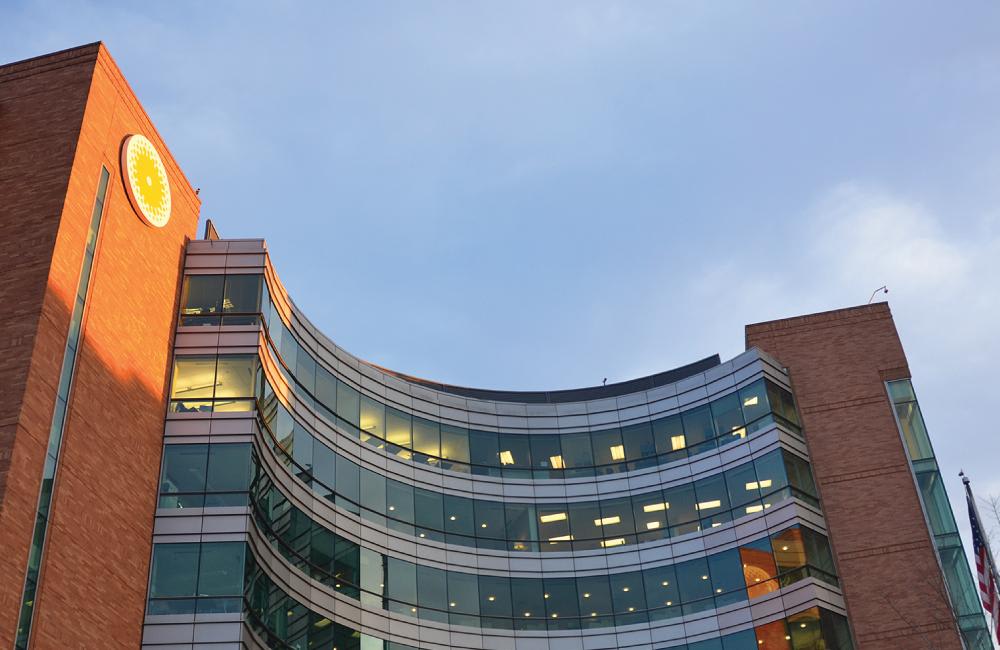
x: 985, y: 571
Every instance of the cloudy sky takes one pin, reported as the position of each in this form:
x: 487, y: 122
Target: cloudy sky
x: 540, y: 195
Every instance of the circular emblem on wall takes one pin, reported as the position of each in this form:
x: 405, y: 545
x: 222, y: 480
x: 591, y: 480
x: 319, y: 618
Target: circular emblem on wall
x: 146, y: 180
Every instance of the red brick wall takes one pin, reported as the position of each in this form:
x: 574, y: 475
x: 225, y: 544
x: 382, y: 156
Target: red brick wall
x: 838, y: 362
x: 94, y: 573
x: 41, y: 109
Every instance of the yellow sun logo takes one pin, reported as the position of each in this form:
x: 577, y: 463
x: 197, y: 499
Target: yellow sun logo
x: 146, y: 180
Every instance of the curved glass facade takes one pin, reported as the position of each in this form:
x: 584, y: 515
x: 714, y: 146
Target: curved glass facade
x: 666, y: 514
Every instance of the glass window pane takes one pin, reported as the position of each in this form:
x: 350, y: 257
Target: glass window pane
x: 426, y: 437
x: 744, y: 488
x: 399, y: 506
x: 728, y: 417
x: 727, y: 578
x: 608, y: 447
x: 682, y: 513
x: 694, y: 585
x: 463, y: 598
x: 789, y: 554
x: 639, y: 447
x: 229, y: 467
x: 402, y: 586
x: 347, y: 403
x: 546, y: 453
x: 650, y: 512
x: 753, y: 401
x: 175, y: 570
x: 773, y: 635
x: 459, y: 520
x: 628, y: 598
x: 515, y: 453
x: 699, y: 429
x: 490, y: 523
x: 759, y: 568
x: 521, y: 528
x: 582, y: 515
x: 372, y: 577
x: 305, y: 372
x: 373, y: 495
x: 372, y: 421
x: 348, y: 485
x: 428, y: 509
x: 432, y: 587
x: 494, y: 601
x: 324, y: 470
x: 454, y: 443
x: 553, y: 526
x: 936, y: 503
x: 234, y: 376
x: 529, y: 603
x: 668, y: 434
x: 914, y: 432
x: 771, y: 477
x: 194, y: 377
x: 242, y: 293
x: 616, y: 524
x: 397, y: 428
x: 661, y: 592
x: 713, y: 501
x: 799, y: 475
x: 326, y: 388
x: 594, y: 601
x: 202, y: 294
x: 184, y: 468
x: 348, y: 566
x: 576, y: 453
x: 560, y: 602
x: 221, y: 569
x: 483, y: 448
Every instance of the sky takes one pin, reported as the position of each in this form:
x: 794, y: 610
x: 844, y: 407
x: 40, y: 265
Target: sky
x: 525, y: 195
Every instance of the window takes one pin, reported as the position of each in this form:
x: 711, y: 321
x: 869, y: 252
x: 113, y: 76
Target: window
x: 201, y: 299
x: 428, y: 514
x: 372, y: 422
x: 668, y: 434
x: 576, y: 454
x: 650, y: 513
x: 348, y: 485
x: 699, y: 430
x: 521, y: 528
x: 662, y: 597
x: 373, y: 496
x: 242, y: 295
x: 515, y: 455
x: 494, y: 602
x: 753, y: 401
x: 529, y: 603
x: 204, y: 383
x: 459, y: 520
x: 426, y: 440
x: 713, y: 501
x: 728, y: 585
x: 546, y: 455
x: 175, y: 571
x: 759, y: 568
x: 221, y: 569
x: 463, y: 598
x: 639, y: 447
x: 594, y: 601
x: 182, y: 478
x: 695, y: 586
x: 682, y: 513
x: 228, y: 474
x: 728, y: 416
x: 402, y: 586
x: 553, y: 526
x: 586, y: 533
x: 628, y: 598
x: 608, y: 448
x: 454, y: 447
x: 483, y: 452
x: 397, y: 431
x: 561, y: 608
x: 432, y: 593
x: 399, y: 506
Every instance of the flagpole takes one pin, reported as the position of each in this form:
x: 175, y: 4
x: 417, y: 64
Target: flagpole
x: 986, y: 541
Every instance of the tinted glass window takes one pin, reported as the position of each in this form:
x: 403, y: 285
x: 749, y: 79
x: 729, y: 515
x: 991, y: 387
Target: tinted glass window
x: 175, y: 570
x: 454, y: 443
x: 184, y: 469
x: 698, y: 428
x: 202, y: 294
x: 234, y: 376
x: 242, y: 293
x: 638, y: 440
x: 668, y: 433
x: 229, y: 468
x: 221, y: 572
x: 194, y: 377
x: 426, y: 437
x: 608, y: 447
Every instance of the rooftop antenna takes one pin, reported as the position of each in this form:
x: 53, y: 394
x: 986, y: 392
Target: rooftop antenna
x: 605, y: 382
x: 883, y: 289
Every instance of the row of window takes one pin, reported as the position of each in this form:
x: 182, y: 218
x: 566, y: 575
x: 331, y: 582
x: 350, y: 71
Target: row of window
x: 66, y: 374
x: 941, y: 519
x: 460, y: 598
x: 725, y: 420
x: 224, y: 576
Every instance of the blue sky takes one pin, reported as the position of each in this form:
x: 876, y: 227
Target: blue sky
x: 540, y: 195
